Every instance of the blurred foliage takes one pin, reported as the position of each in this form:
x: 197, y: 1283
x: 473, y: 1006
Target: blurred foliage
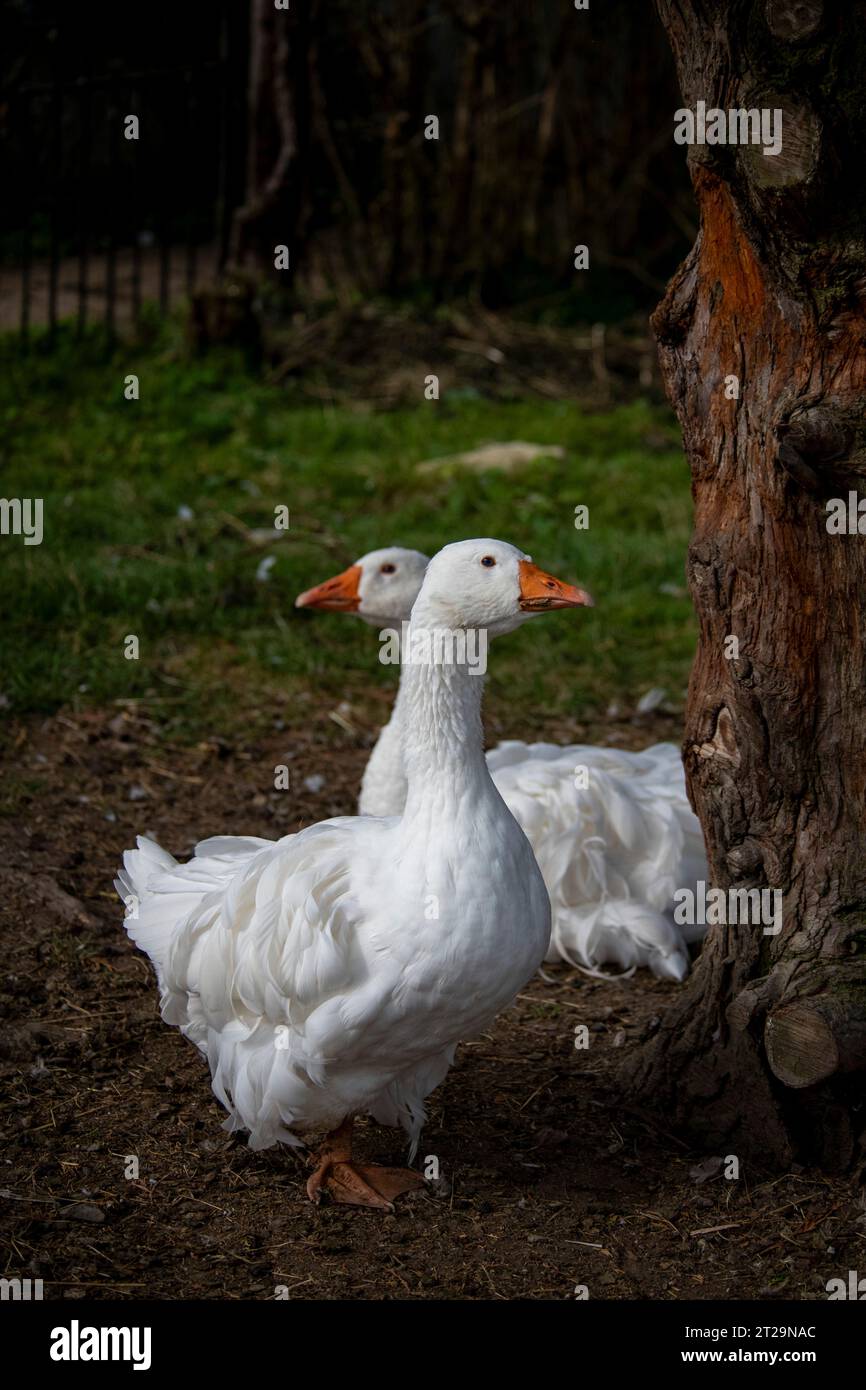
x: 552, y: 126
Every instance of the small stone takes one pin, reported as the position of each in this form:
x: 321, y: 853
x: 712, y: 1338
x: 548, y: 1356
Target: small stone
x: 83, y: 1211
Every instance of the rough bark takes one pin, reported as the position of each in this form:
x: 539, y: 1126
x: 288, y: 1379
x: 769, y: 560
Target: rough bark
x: 765, y: 1050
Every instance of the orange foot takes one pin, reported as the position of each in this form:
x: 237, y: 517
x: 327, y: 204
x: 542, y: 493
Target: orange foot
x: 367, y: 1186
x: 353, y: 1183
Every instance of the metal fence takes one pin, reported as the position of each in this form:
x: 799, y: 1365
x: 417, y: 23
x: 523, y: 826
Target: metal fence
x: 120, y: 186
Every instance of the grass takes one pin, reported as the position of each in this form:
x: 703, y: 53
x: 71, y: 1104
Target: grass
x: 122, y: 555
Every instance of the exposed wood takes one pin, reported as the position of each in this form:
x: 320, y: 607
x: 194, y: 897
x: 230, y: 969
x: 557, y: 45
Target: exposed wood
x: 813, y: 1039
x: 801, y: 140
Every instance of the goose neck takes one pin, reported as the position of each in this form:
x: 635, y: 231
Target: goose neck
x: 439, y: 710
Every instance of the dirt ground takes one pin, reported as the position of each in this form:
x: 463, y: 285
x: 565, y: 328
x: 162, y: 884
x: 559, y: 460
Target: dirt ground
x: 547, y: 1181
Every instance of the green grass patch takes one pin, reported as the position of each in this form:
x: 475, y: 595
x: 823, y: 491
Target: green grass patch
x: 122, y: 555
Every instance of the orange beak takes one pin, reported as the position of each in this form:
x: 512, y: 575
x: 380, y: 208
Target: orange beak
x: 540, y: 591
x: 337, y: 595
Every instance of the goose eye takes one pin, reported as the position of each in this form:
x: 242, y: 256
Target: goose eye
x: 488, y: 560
x: 387, y: 569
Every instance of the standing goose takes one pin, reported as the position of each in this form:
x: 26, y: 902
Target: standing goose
x: 333, y: 972
x: 612, y: 852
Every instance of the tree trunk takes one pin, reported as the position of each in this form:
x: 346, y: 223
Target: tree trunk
x: 268, y: 216
x: 766, y: 1048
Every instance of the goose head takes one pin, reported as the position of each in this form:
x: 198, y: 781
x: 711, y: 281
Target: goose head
x: 381, y: 587
x: 490, y: 585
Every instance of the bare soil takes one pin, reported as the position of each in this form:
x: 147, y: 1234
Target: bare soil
x: 547, y: 1180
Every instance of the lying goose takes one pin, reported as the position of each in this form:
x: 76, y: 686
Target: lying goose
x: 333, y: 972
x: 612, y: 852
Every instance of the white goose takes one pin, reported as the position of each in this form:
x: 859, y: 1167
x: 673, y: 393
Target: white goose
x: 333, y: 972
x: 612, y: 853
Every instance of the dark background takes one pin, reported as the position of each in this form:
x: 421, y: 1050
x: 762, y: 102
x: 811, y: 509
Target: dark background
x: 407, y: 257
x: 555, y: 129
